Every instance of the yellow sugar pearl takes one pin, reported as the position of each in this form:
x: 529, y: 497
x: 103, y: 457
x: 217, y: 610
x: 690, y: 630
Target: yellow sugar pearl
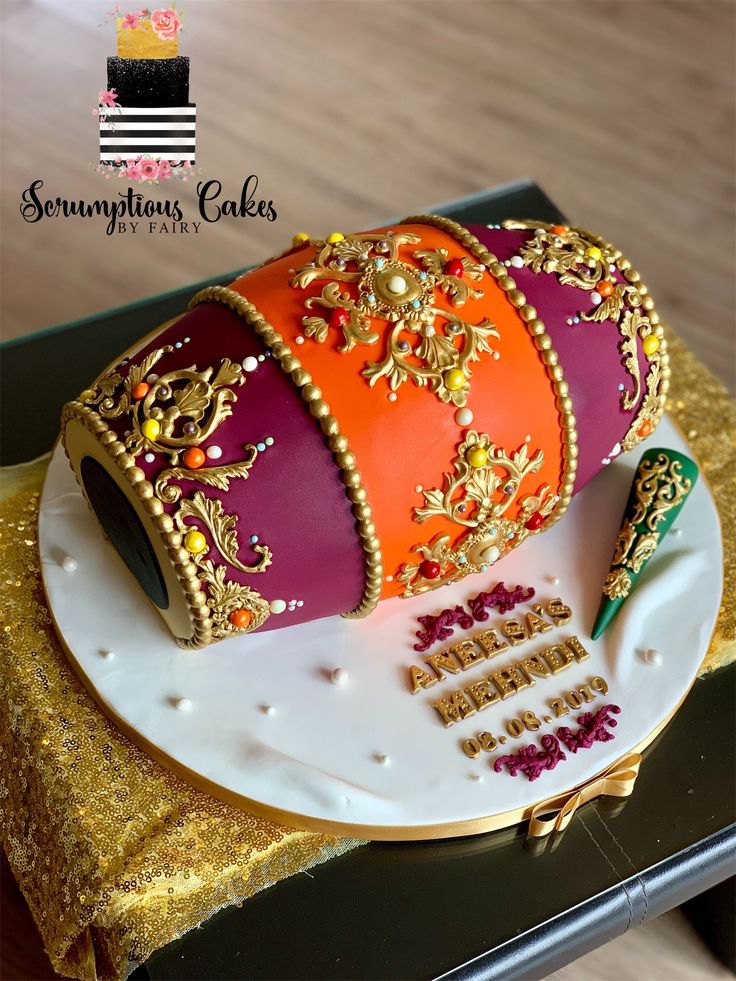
x: 593, y: 252
x: 650, y: 345
x: 195, y: 542
x: 301, y: 238
x: 335, y: 237
x: 477, y: 456
x: 150, y: 429
x: 454, y: 379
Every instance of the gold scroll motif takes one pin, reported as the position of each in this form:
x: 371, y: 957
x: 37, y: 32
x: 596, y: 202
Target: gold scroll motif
x: 659, y: 487
x: 578, y: 261
x: 183, y: 409
x: 402, y: 295
x: 178, y: 410
x: 476, y: 496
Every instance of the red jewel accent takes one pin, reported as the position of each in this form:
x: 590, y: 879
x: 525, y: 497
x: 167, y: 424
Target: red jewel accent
x: 193, y: 458
x: 536, y: 521
x: 429, y: 569
x: 339, y: 317
x: 454, y: 267
x: 240, y: 619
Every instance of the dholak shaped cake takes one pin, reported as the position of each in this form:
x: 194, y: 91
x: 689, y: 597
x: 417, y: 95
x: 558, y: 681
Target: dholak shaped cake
x: 369, y: 416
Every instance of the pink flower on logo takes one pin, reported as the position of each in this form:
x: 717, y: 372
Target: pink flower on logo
x: 108, y: 97
x: 133, y: 171
x: 149, y: 169
x: 187, y: 165
x: 130, y: 21
x: 165, y: 23
x: 164, y: 170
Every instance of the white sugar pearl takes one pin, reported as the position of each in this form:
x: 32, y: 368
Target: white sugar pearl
x: 250, y: 364
x: 553, y: 579
x: 389, y: 578
x: 527, y: 439
x: 277, y: 606
x: 676, y: 532
x: 616, y: 450
x: 268, y: 441
x: 268, y: 710
x: 339, y: 677
x: 107, y: 655
x: 517, y: 262
x: 69, y: 564
x: 429, y: 331
x: 183, y: 704
x: 298, y: 339
x: 383, y: 759
x: 149, y: 457
x: 392, y: 396
x: 652, y: 656
x: 152, y: 378
x: 476, y: 777
x: 300, y: 603
x: 419, y: 488
x: 605, y: 461
x: 213, y: 452
x: 596, y: 299
x: 187, y: 340
x: 496, y: 355
x: 463, y: 417
x: 397, y: 284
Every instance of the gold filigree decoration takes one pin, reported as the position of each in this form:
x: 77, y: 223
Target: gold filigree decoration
x: 624, y: 541
x: 660, y: 487
x: 221, y: 527
x: 476, y: 496
x: 643, y: 550
x: 225, y: 597
x: 219, y: 477
x: 179, y: 410
x: 393, y: 290
x: 617, y: 584
x: 575, y: 260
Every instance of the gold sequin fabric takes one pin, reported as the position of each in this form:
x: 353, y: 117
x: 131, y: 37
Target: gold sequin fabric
x: 117, y: 856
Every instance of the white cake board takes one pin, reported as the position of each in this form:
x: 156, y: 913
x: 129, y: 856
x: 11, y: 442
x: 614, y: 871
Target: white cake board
x: 316, y: 760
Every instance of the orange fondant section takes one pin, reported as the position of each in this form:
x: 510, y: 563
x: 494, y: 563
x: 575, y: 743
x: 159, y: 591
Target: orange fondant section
x: 410, y: 442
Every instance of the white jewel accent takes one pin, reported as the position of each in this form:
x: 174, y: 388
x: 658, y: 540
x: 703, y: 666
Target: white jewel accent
x: 277, y: 606
x: 149, y: 457
x: 213, y: 452
x: 517, y: 262
x: 69, y: 564
x: 397, y: 284
x: 463, y: 417
x: 339, y: 677
x: 250, y: 363
x: 490, y: 554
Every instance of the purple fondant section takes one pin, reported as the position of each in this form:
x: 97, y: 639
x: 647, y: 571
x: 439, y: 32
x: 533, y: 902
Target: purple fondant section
x: 293, y: 498
x: 588, y: 352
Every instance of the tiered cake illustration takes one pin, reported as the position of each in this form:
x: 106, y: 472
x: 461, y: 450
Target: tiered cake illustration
x: 145, y: 113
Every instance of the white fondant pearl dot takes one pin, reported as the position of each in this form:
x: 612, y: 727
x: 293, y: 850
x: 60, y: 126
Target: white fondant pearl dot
x: 527, y: 438
x: 596, y: 299
x: 392, y: 396
x: 250, y: 364
x: 213, y: 452
x: 676, y: 532
x: 107, y: 655
x: 605, y: 461
x: 268, y: 710
x: 429, y: 331
x: 300, y: 603
x: 477, y: 777
x: 553, y: 579
x: 383, y: 759
x: 277, y: 606
x: 268, y: 441
x: 652, y: 656
x: 187, y: 340
x: 397, y: 284
x: 298, y: 339
x: 517, y: 262
x: 389, y: 578
x: 152, y: 378
x: 507, y: 262
x: 183, y: 704
x: 612, y: 268
x: 463, y: 417
x: 261, y: 357
x: 69, y: 564
x: 496, y: 355
x: 149, y: 457
x: 616, y: 450
x: 339, y: 677
x: 418, y: 488
x: 621, y: 386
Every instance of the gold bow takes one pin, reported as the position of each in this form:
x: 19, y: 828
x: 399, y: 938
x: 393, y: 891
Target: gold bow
x: 556, y: 813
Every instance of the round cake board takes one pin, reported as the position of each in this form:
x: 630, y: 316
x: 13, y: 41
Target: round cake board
x: 263, y: 724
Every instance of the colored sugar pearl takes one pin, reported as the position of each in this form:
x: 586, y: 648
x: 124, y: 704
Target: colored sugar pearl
x: 477, y: 457
x: 301, y: 238
x: 429, y: 569
x: 558, y: 230
x: 150, y: 429
x: 250, y: 363
x: 535, y: 521
x: 645, y: 429
x: 240, y: 619
x: 454, y: 379
x: 334, y: 237
x: 605, y: 288
x: 193, y: 458
x: 213, y: 452
x: 593, y: 252
x: 650, y: 345
x: 453, y: 267
x: 339, y: 317
x: 269, y: 441
x: 140, y: 390
x: 190, y: 428
x: 260, y: 447
x: 195, y: 542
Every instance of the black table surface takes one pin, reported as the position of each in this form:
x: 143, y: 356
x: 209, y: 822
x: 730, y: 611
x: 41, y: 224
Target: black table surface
x: 499, y: 905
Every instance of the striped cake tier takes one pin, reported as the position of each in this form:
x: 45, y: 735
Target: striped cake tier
x: 166, y: 132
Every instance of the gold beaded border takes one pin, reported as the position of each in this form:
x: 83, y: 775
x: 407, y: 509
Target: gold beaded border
x: 186, y: 570
x: 336, y: 440
x: 543, y: 343
x: 632, y: 276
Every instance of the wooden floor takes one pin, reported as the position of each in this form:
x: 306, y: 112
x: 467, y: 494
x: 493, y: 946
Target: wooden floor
x: 350, y: 113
